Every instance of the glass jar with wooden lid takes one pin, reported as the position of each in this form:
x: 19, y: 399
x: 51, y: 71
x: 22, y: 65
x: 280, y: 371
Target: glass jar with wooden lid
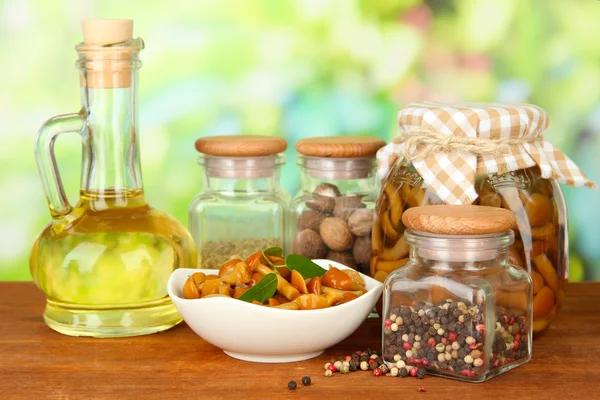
x: 458, y: 308
x: 332, y: 214
x: 482, y: 154
x: 241, y: 208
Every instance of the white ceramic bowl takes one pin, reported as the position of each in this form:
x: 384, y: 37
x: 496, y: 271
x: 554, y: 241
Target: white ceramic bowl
x: 261, y: 334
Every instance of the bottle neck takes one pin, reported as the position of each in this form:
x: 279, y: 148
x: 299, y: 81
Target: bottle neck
x: 459, y: 252
x: 235, y: 176
x: 350, y: 175
x: 111, y: 157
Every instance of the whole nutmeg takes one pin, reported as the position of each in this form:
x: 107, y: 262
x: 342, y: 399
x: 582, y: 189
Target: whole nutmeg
x: 310, y: 219
x: 346, y: 205
x: 324, y: 198
x: 362, y: 250
x: 321, y: 204
x: 309, y: 244
x: 344, y: 258
x: 361, y: 222
x: 336, y: 234
x: 327, y: 190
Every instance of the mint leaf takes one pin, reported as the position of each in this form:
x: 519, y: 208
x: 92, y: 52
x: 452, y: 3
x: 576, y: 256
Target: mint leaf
x: 304, y: 265
x: 263, y: 290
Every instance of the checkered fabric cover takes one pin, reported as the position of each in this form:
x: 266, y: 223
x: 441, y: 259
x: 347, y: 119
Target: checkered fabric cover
x: 452, y: 174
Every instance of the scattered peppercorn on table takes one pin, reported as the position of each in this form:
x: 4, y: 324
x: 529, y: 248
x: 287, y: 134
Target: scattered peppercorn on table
x: 36, y: 362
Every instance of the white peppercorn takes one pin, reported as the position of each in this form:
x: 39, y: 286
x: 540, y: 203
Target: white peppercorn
x: 468, y: 359
x: 478, y: 362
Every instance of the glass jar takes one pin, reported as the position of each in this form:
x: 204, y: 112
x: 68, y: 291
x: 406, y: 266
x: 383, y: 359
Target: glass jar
x: 104, y: 262
x: 332, y: 214
x: 458, y: 308
x: 241, y: 208
x: 541, y: 238
x: 429, y: 168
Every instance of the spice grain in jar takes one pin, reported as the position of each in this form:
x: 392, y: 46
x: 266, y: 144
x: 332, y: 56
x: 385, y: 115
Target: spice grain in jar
x: 332, y: 214
x: 497, y: 158
x: 241, y: 208
x: 458, y: 307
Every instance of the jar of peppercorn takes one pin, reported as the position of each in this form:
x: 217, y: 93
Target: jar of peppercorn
x: 241, y: 208
x: 458, y: 308
x: 332, y: 214
x: 481, y: 154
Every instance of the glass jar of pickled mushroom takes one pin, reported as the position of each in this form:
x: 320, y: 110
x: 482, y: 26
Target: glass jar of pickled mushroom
x: 332, y: 214
x: 458, y: 308
x: 496, y: 157
x: 241, y: 208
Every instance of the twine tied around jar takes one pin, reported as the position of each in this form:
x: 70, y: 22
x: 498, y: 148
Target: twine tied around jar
x: 421, y: 143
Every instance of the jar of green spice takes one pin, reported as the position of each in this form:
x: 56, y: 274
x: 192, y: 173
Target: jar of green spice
x: 241, y: 207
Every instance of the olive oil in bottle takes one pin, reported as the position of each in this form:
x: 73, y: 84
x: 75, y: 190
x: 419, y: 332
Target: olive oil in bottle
x: 104, y: 263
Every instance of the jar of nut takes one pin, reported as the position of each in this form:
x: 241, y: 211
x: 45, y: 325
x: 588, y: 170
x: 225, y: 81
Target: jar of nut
x: 332, y: 215
x: 458, y: 308
x: 241, y: 208
x: 482, y: 154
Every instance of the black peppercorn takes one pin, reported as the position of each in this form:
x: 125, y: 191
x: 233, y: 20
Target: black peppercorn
x: 403, y: 373
x: 353, y: 365
x: 292, y: 385
x: 306, y: 381
x: 421, y: 373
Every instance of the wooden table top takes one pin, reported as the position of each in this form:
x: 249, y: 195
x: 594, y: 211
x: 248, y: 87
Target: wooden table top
x: 38, y: 363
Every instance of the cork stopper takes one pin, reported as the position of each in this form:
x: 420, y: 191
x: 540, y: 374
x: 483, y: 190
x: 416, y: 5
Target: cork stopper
x: 339, y: 146
x: 107, y: 52
x: 241, y: 145
x: 459, y: 220
x: 102, y: 32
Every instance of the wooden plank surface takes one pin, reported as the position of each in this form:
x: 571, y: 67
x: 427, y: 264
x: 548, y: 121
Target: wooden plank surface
x: 37, y: 363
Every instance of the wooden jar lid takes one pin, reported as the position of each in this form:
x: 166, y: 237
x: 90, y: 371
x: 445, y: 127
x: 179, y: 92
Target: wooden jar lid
x: 339, y: 146
x: 459, y: 220
x: 241, y: 145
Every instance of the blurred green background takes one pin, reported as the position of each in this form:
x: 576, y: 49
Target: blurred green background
x: 296, y: 69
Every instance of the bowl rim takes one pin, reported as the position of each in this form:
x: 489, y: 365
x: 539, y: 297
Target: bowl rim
x: 378, y: 287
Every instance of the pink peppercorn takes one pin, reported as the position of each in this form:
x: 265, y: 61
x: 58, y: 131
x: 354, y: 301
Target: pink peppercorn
x: 431, y: 342
x: 480, y: 328
x: 425, y: 362
x: 406, y: 346
x: 377, y: 372
x: 413, y: 372
x: 473, y: 346
x: 444, y: 340
x: 332, y: 368
x: 452, y: 336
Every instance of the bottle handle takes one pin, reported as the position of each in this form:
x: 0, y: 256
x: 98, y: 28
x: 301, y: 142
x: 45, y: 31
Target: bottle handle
x: 46, y: 161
